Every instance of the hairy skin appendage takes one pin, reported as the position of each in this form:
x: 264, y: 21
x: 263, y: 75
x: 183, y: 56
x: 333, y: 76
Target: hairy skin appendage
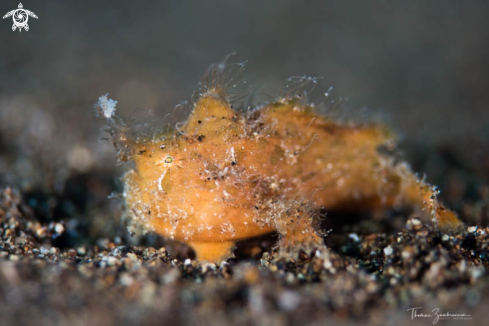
x: 227, y: 175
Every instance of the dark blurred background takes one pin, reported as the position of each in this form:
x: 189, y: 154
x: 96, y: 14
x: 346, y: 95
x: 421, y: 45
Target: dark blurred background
x: 422, y: 65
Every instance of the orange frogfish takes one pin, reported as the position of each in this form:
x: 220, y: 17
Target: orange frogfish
x: 225, y: 175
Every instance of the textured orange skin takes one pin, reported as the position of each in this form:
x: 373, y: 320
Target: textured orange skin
x: 234, y: 176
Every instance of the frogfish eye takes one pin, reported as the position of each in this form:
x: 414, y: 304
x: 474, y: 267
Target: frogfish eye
x: 168, y: 159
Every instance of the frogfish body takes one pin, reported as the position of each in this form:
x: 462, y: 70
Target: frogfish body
x: 228, y: 175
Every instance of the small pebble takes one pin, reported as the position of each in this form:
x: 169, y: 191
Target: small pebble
x: 388, y: 251
x: 472, y: 229
x: 59, y: 228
